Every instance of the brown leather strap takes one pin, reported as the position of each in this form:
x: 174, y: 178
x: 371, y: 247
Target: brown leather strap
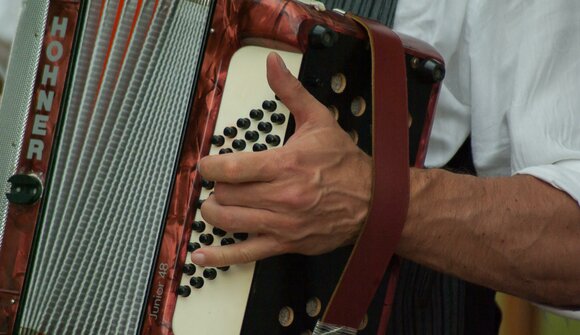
x: 381, y: 233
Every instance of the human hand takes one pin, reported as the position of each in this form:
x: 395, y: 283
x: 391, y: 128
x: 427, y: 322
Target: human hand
x: 309, y: 196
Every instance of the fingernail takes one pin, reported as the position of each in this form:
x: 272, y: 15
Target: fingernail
x: 198, y: 166
x: 198, y: 258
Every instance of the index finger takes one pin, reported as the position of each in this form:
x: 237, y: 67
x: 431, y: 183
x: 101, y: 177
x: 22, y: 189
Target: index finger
x: 240, y: 167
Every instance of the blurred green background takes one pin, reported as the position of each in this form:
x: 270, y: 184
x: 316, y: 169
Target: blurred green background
x: 522, y: 318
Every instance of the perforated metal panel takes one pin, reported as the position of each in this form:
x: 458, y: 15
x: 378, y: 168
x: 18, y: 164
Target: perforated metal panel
x: 19, y: 86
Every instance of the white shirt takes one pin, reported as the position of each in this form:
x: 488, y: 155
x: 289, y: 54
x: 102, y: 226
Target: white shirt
x: 9, y: 13
x: 513, y: 81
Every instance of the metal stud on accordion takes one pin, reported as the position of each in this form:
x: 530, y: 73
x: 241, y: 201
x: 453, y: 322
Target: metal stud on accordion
x: 105, y: 249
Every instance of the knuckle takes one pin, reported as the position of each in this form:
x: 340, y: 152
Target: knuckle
x: 300, y: 198
x: 293, y: 197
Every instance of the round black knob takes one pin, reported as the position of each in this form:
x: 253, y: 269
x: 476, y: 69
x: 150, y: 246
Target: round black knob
x: 206, y: 239
x: 224, y: 268
x: 218, y: 140
x: 209, y: 274
x: 259, y: 147
x: 265, y: 127
x: 208, y: 185
x: 269, y: 105
x: 189, y: 269
x: 256, y: 114
x: 193, y: 246
x: 252, y: 136
x: 184, y: 291
x: 278, y: 118
x: 198, y: 226
x: 434, y: 70
x: 199, y: 203
x: 228, y: 241
x: 230, y: 132
x: 219, y: 232
x: 239, y: 144
x: 273, y: 140
x: 244, y: 123
x: 241, y: 236
x: 196, y: 282
x: 226, y: 151
x: 322, y: 37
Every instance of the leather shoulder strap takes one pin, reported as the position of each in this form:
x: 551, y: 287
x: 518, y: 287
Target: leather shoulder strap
x: 379, y: 237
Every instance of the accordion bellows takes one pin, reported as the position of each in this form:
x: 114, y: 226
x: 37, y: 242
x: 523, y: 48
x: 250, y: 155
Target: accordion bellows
x: 115, y: 163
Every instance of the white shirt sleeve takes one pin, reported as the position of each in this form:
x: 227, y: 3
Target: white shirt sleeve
x: 442, y: 24
x: 513, y: 83
x: 9, y: 14
x: 544, y: 121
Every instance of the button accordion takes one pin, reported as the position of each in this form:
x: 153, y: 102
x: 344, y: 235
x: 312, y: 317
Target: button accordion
x: 108, y: 107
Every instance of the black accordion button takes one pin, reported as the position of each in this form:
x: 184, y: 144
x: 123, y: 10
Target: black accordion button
x: 184, y: 291
x: 219, y: 232
x: 224, y: 268
x: 278, y: 118
x: 209, y: 274
x: 206, y: 239
x: 244, y: 123
x: 189, y: 269
x: 230, y: 132
x: 196, y: 282
x: 218, y: 140
x: 198, y: 226
x: 200, y: 203
x: 193, y: 246
x: 252, y: 136
x: 228, y: 241
x: 269, y: 105
x: 241, y: 236
x: 259, y: 147
x: 226, y: 151
x: 208, y: 185
x: 239, y: 145
x: 265, y: 127
x: 273, y: 140
x: 256, y: 114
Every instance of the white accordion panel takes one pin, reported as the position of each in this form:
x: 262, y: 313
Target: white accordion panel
x: 225, y: 297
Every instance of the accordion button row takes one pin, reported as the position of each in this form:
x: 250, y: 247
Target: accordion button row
x: 233, y: 138
x: 250, y: 119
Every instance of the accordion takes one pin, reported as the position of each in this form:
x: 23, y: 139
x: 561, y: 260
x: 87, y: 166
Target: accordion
x: 108, y: 107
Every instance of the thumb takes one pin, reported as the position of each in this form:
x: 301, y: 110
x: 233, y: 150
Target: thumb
x: 303, y: 106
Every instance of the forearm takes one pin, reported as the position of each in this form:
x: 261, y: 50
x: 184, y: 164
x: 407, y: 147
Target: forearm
x: 504, y: 233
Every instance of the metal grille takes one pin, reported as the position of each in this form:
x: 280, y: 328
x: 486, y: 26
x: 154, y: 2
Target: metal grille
x: 115, y: 166
x: 20, y: 83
